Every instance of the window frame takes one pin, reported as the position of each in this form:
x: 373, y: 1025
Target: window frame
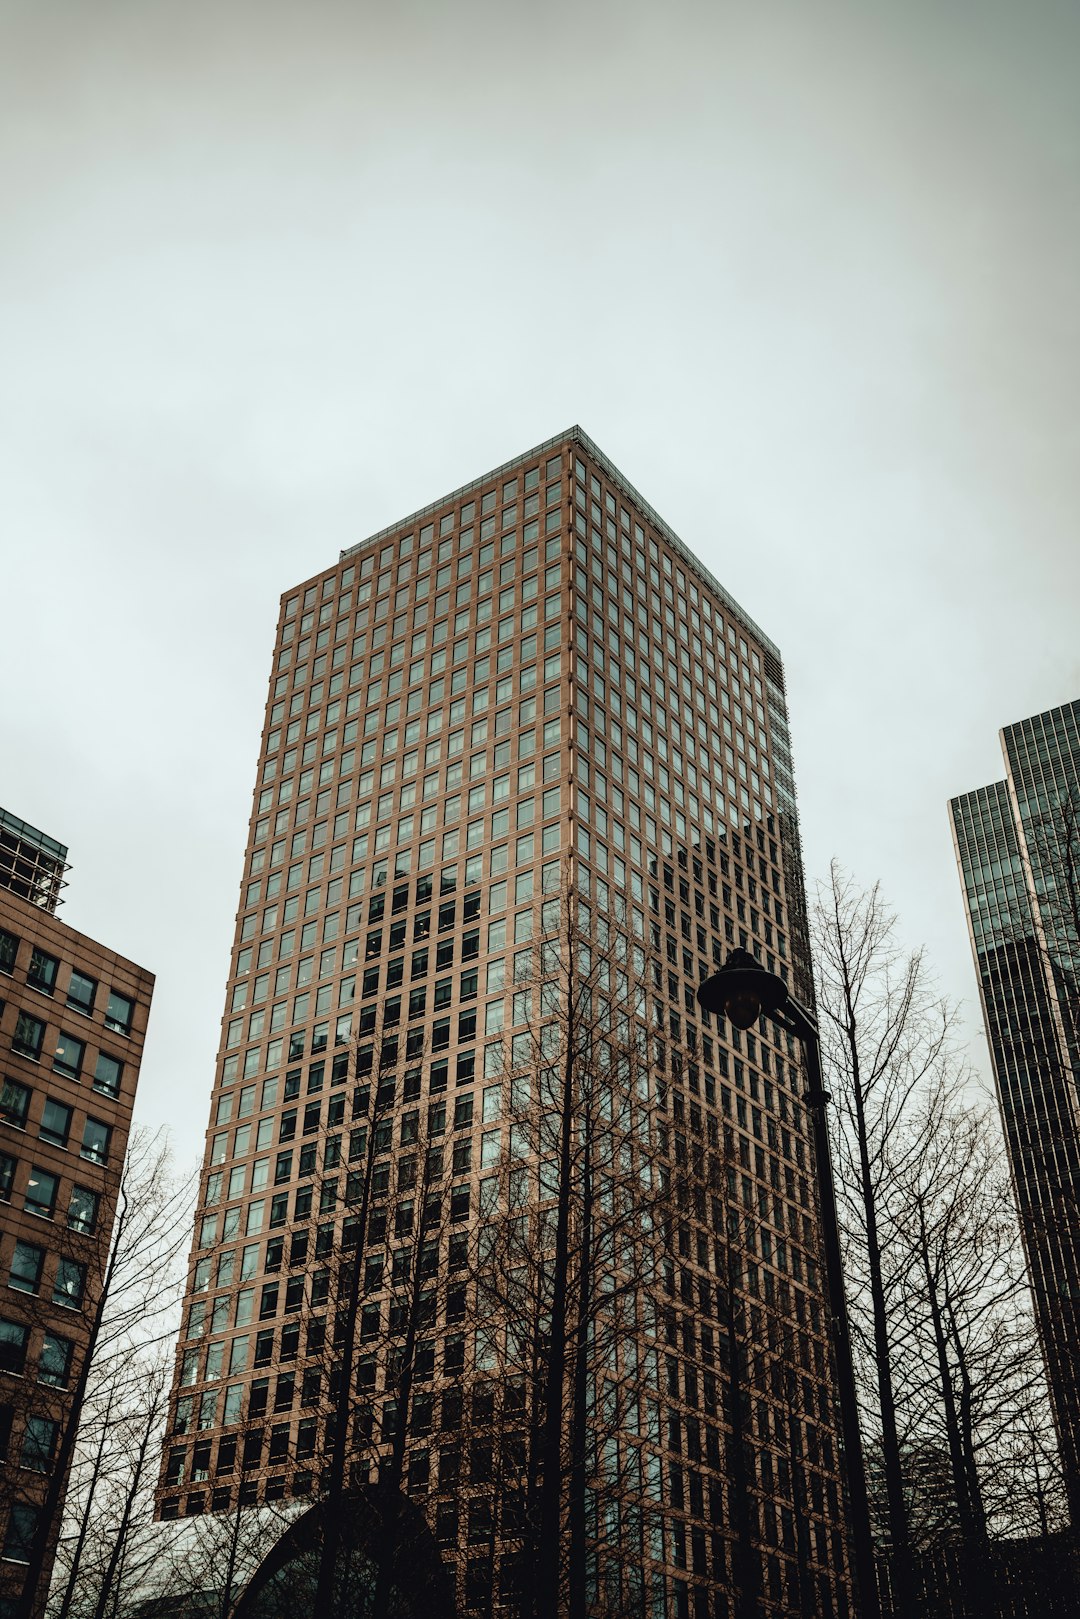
x: 27, y: 1048
x: 114, y: 1023
x: 45, y: 1131
x: 22, y: 1248
x: 13, y: 1118
x: 76, y: 1003
x: 41, y: 1209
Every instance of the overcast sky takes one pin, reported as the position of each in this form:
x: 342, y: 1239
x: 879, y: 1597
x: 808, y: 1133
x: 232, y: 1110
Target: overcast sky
x: 273, y: 275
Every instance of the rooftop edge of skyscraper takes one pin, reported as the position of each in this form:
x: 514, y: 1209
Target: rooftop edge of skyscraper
x: 577, y: 435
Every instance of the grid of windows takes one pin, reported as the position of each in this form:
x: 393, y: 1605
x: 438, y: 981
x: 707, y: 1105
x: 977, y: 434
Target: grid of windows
x: 71, y: 1020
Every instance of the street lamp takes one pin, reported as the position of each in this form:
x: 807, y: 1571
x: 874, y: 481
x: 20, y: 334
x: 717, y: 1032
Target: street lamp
x: 743, y: 991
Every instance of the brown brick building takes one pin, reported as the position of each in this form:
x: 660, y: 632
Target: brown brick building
x: 72, y: 1023
x: 531, y: 677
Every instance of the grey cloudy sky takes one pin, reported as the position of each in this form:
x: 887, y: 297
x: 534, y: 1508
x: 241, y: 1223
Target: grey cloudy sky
x: 272, y: 275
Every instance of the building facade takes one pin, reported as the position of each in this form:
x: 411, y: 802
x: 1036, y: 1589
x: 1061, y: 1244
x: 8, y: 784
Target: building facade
x: 72, y: 1023
x: 528, y: 686
x: 1018, y: 848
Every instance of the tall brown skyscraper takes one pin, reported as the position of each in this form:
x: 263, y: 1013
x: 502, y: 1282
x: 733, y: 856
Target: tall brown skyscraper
x: 72, y: 1023
x: 528, y: 684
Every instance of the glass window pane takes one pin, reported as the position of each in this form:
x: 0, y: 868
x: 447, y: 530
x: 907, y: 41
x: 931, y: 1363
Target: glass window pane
x: 107, y: 1073
x: 42, y: 970
x: 14, y: 1103
x: 41, y: 1192
x: 54, y: 1364
x: 82, y: 1209
x: 13, y: 1340
x: 26, y: 1263
x: 39, y: 1444
x: 22, y: 1521
x: 69, y: 1284
x: 29, y: 1034
x: 69, y: 1055
x: 55, y: 1122
x: 118, y: 1013
x: 81, y: 992
x: 95, y: 1141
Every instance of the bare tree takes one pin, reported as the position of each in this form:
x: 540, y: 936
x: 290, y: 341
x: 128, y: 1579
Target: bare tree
x: 378, y: 1360
x: 373, y: 1121
x: 950, y: 1379
x: 975, y: 1378
x: 218, y: 1551
x: 120, y: 1557
x: 575, y: 1215
x: 885, y: 1035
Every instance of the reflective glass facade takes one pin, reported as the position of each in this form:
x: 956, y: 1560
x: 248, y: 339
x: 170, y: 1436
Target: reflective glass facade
x: 1018, y: 847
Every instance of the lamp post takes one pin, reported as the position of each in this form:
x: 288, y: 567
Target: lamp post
x: 743, y: 991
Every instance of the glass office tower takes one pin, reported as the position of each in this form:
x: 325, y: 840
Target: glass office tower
x: 527, y: 684
x: 1018, y: 847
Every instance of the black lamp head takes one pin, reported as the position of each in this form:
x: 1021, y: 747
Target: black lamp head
x: 742, y: 990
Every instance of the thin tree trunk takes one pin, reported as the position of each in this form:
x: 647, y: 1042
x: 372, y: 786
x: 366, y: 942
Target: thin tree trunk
x: 230, y: 1567
x: 945, y: 1381
x: 123, y: 1529
x: 549, y: 1538
x: 905, y: 1601
x: 390, y: 1483
x: 324, y: 1599
x: 536, y: 1436
x: 966, y: 1429
x: 579, y: 1408
x: 84, y: 1517
x: 31, y: 1592
x: 747, y: 1569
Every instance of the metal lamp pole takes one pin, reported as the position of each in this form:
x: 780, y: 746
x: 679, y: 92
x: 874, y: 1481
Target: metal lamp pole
x: 743, y: 991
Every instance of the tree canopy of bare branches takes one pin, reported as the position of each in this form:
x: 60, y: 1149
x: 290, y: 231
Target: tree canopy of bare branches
x: 109, y: 1431
x: 949, y: 1378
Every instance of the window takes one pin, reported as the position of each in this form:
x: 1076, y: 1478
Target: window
x: 14, y: 1337
x: 29, y: 1036
x: 15, y: 1103
x: 54, y: 1362
x: 55, y: 1123
x: 118, y: 1013
x: 9, y: 949
x: 70, y: 1283
x: 8, y: 1165
x: 26, y: 1265
x: 68, y: 1056
x: 22, y: 1521
x: 107, y: 1072
x: 41, y: 973
x: 95, y: 1141
x: 39, y: 1444
x: 41, y: 1193
x: 83, y: 1209
x: 81, y: 992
